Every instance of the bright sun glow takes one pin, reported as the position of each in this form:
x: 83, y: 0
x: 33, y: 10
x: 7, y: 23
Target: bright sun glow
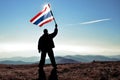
x: 71, y: 48
x: 85, y: 49
x: 16, y: 47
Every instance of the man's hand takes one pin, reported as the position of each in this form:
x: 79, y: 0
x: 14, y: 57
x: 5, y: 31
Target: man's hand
x: 55, y: 25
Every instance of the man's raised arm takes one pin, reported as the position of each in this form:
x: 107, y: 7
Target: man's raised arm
x: 55, y: 31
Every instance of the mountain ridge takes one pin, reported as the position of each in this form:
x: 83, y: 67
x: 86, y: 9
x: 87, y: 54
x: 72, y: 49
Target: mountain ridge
x: 59, y: 59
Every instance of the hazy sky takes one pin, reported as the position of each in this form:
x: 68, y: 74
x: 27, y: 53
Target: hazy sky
x: 85, y: 27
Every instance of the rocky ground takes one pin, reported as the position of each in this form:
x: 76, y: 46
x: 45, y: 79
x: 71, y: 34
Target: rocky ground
x: 77, y: 71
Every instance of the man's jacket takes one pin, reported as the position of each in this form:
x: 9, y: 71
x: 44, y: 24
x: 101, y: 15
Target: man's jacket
x: 46, y: 41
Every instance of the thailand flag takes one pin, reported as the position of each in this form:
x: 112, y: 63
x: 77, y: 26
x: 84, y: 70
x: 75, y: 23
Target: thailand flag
x: 43, y: 16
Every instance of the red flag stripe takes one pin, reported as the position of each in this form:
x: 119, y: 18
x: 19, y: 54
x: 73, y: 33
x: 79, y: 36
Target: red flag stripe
x: 38, y: 14
x: 46, y: 22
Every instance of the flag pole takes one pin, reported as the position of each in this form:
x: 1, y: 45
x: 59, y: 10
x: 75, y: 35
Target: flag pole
x: 52, y: 14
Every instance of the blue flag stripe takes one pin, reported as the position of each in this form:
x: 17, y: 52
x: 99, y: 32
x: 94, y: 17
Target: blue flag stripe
x: 45, y: 16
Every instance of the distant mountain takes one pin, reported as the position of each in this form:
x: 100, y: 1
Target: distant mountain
x: 14, y: 62
x: 23, y: 59
x: 59, y: 60
x: 90, y: 58
x: 115, y: 56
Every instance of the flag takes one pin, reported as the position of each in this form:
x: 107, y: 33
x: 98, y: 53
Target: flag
x: 43, y: 16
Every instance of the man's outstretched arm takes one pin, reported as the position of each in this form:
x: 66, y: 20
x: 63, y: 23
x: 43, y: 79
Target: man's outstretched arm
x: 55, y: 31
x: 56, y: 25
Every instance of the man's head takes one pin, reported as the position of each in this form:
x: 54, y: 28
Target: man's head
x: 45, y: 31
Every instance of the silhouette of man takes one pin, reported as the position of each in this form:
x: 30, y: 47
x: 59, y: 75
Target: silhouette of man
x: 45, y: 45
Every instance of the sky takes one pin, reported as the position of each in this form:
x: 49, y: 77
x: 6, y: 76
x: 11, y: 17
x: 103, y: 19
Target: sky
x: 86, y: 27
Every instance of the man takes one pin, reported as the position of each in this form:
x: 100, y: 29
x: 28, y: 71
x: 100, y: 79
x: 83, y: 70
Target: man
x: 45, y: 45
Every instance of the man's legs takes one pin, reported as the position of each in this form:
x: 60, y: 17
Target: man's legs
x: 42, y: 61
x: 52, y: 58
